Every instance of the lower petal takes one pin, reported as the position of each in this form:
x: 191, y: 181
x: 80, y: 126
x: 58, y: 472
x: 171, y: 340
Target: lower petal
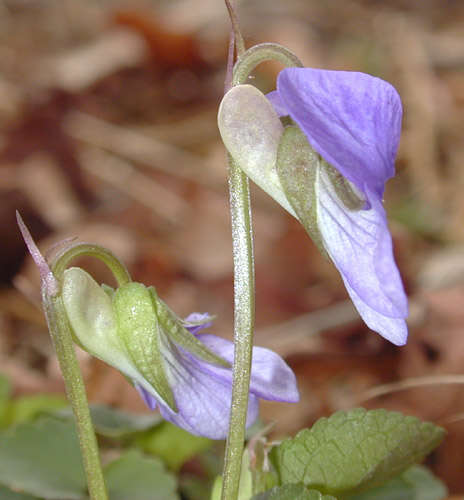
x: 359, y: 243
x: 203, y: 399
x: 394, y: 330
x: 271, y: 377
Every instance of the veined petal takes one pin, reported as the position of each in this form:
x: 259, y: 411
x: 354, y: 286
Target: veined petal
x: 394, y: 330
x: 359, y: 243
x: 353, y: 120
x: 203, y: 399
x: 271, y: 377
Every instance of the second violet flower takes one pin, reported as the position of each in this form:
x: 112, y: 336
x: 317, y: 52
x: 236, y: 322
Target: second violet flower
x: 329, y: 169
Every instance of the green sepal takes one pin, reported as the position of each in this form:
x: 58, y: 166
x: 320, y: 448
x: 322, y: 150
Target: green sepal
x: 355, y: 450
x: 91, y: 318
x: 140, y: 331
x: 251, y: 130
x: 298, y: 167
x: 346, y: 191
x: 178, y: 334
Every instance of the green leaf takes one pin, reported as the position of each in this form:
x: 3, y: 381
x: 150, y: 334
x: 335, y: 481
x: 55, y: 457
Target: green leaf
x: 5, y: 392
x: 112, y: 423
x: 29, y: 407
x: 7, y: 494
x: 172, y: 444
x: 355, y: 450
x: 416, y: 483
x: 42, y: 458
x: 292, y: 492
x: 136, y: 477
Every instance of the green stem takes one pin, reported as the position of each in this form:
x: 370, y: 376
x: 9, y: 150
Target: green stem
x: 75, y: 391
x: 244, y: 283
x: 244, y: 310
x: 60, y: 332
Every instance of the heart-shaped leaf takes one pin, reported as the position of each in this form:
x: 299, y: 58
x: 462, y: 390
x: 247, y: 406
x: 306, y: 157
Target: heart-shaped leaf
x: 43, y: 458
x: 354, y: 450
x: 417, y: 483
x: 114, y: 423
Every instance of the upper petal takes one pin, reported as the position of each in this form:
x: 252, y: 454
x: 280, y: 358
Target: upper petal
x: 360, y: 245
x: 353, y: 120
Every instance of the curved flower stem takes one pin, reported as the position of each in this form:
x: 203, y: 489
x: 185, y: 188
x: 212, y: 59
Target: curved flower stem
x: 257, y: 54
x: 75, y: 391
x: 60, y: 332
x: 244, y: 285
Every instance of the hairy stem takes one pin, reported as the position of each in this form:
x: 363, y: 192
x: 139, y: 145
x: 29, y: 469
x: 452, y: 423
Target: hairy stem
x: 244, y: 285
x: 75, y: 391
x: 244, y: 310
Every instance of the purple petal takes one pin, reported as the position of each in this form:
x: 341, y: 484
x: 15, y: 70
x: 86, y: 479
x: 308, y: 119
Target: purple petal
x: 148, y: 399
x: 359, y: 243
x: 195, y: 322
x: 202, y: 399
x: 393, y: 329
x: 351, y: 119
x: 271, y: 377
x: 277, y: 104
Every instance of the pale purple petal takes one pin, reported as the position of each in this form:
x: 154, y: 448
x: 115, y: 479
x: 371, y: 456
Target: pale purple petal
x: 277, y: 104
x: 351, y: 119
x: 359, y: 243
x: 393, y: 329
x: 195, y: 322
x: 271, y: 377
x: 148, y: 399
x: 202, y: 399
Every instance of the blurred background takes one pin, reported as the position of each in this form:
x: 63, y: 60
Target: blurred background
x: 108, y: 134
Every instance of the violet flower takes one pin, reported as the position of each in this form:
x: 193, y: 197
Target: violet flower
x: 353, y: 121
x: 203, y: 391
x: 187, y: 375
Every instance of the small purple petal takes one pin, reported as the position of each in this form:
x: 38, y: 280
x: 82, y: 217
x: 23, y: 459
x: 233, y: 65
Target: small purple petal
x: 149, y: 400
x: 271, y: 377
x: 351, y: 119
x: 359, y: 243
x: 195, y: 322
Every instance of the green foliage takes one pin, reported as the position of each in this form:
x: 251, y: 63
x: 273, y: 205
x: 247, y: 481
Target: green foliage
x: 5, y: 391
x: 416, y: 483
x: 29, y: 407
x: 172, y: 444
x: 292, y: 492
x: 355, y: 450
x: 42, y: 458
x: 135, y: 477
x: 6, y: 494
x: 112, y: 423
